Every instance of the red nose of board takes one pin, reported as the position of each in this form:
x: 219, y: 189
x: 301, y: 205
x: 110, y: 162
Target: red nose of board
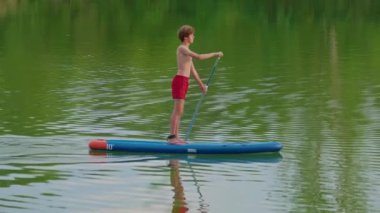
x: 98, y: 144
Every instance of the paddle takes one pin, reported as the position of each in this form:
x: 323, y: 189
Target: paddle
x: 213, y: 69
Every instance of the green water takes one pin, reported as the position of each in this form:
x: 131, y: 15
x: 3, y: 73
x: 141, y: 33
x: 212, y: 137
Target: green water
x: 305, y: 73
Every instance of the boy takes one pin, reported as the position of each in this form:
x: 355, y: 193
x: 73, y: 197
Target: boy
x: 180, y: 82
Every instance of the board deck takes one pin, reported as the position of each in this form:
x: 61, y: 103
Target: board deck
x: 152, y: 146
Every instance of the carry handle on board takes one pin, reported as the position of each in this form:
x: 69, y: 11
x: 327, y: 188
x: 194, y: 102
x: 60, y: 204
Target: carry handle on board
x: 213, y: 69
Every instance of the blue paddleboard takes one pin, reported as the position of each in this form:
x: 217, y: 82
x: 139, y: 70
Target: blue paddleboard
x: 152, y: 146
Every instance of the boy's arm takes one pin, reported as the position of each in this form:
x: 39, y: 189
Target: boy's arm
x: 188, y: 52
x: 195, y: 75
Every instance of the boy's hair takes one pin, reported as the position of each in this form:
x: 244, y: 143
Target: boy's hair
x: 185, y: 31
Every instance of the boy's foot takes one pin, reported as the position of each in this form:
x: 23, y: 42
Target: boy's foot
x: 176, y: 141
x: 173, y: 139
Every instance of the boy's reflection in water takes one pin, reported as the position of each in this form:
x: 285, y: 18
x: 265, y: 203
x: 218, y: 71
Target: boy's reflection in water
x: 179, y: 201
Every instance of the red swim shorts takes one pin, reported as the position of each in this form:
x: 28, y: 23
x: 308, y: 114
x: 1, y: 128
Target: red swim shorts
x: 180, y: 85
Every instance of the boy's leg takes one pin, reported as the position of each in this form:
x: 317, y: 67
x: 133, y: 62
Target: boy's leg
x: 176, y: 120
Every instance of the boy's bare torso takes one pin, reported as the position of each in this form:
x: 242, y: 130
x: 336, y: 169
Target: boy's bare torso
x: 184, y: 61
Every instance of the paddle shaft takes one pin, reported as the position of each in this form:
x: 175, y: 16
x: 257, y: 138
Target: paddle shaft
x: 213, y: 69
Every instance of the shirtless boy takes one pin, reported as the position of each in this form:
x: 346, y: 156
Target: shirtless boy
x: 180, y: 82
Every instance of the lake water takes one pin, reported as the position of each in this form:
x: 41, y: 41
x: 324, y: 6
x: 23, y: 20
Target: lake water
x: 303, y: 73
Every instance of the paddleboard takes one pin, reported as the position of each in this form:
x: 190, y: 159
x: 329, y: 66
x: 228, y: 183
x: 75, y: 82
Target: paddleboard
x: 152, y: 146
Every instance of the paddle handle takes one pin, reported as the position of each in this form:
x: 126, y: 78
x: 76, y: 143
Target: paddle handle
x: 208, y: 82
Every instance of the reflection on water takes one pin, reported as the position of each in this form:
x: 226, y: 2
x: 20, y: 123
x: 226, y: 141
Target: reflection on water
x: 303, y: 73
x: 179, y: 198
x: 19, y: 174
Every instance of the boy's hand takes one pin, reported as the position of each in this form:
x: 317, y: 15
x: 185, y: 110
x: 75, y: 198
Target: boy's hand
x: 204, y: 88
x: 219, y: 54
